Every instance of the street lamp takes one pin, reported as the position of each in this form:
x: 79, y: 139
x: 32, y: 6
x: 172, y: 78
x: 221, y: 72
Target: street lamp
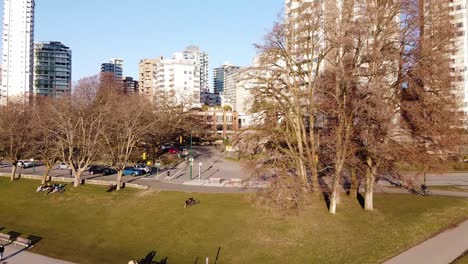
x: 199, y: 171
x: 191, y: 155
x: 34, y: 165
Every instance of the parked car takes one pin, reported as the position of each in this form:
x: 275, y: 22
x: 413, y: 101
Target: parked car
x: 132, y: 171
x: 185, y: 152
x: 174, y: 151
x: 25, y: 164
x: 63, y: 166
x: 104, y: 170
x: 166, y: 146
x: 142, y: 167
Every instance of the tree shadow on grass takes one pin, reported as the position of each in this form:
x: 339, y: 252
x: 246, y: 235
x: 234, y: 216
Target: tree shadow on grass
x: 325, y: 189
x: 13, y: 235
x: 360, y: 199
x: 149, y: 259
x: 34, y: 239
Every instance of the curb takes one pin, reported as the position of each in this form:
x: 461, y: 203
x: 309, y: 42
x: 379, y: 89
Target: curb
x: 63, y: 179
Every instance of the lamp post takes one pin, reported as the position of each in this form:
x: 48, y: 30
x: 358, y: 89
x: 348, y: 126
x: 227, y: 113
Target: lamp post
x: 199, y: 171
x: 191, y: 155
x: 34, y: 165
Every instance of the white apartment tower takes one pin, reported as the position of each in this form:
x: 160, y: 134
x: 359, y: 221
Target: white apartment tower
x: 18, y: 48
x: 177, y: 77
x: 202, y: 64
x: 459, y: 65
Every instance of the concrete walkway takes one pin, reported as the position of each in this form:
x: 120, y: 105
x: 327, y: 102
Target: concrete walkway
x: 443, y: 248
x: 19, y: 255
x: 383, y: 189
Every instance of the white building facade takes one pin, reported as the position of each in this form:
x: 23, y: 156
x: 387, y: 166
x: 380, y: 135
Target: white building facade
x: 202, y: 63
x: 179, y: 77
x: 459, y: 65
x: 18, y: 48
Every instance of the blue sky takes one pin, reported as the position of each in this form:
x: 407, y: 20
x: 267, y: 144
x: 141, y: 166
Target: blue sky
x: 97, y: 30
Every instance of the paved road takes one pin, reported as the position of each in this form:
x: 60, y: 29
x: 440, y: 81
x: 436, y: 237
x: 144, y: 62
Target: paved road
x: 19, y: 255
x: 443, y: 248
x: 214, y: 165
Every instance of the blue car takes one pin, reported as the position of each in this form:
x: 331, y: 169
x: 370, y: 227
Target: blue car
x: 132, y: 171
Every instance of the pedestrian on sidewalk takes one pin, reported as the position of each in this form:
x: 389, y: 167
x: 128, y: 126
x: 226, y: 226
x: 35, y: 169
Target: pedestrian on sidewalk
x: 2, y: 249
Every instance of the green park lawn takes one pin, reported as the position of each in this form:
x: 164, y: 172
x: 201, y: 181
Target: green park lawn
x: 462, y: 260
x: 89, y: 225
x: 450, y: 188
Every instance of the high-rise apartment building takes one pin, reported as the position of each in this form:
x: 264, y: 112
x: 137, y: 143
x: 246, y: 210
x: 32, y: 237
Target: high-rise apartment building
x: 18, y: 47
x: 202, y: 63
x: 185, y: 75
x: 219, y: 75
x: 147, y: 78
x: 237, y: 86
x: 52, y: 69
x: 459, y: 65
x: 114, y: 66
x: 178, y: 77
x: 130, y: 86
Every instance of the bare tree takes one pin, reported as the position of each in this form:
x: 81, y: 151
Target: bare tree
x: 370, y: 79
x: 44, y: 145
x: 129, y: 121
x: 78, y: 123
x: 286, y: 94
x: 15, y: 122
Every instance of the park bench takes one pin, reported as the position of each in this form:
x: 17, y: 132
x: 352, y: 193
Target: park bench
x: 23, y: 242
x: 5, y: 237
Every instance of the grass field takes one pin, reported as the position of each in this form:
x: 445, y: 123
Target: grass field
x: 88, y: 225
x: 450, y: 188
x: 462, y: 260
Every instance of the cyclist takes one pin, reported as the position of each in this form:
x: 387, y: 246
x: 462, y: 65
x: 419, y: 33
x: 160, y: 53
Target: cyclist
x: 423, y: 188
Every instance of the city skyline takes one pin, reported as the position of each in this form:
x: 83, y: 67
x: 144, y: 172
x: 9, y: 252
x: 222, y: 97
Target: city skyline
x: 226, y: 32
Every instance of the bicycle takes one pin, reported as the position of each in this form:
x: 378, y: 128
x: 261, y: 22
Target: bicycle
x: 425, y: 192
x: 191, y: 201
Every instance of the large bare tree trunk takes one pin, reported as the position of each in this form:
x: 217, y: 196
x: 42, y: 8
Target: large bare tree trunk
x: 335, y: 194
x: 45, y: 176
x: 333, y: 201
x: 13, y: 172
x: 119, y: 179
x: 370, y: 178
x: 354, y: 184
x: 303, y: 175
x: 77, y: 181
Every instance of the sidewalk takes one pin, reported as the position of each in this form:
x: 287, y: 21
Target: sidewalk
x: 444, y: 248
x: 384, y: 189
x: 19, y: 255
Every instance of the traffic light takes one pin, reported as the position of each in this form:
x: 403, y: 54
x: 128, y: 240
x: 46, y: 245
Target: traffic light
x: 143, y: 156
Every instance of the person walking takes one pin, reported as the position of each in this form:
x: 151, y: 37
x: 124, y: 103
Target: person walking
x: 2, y: 249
